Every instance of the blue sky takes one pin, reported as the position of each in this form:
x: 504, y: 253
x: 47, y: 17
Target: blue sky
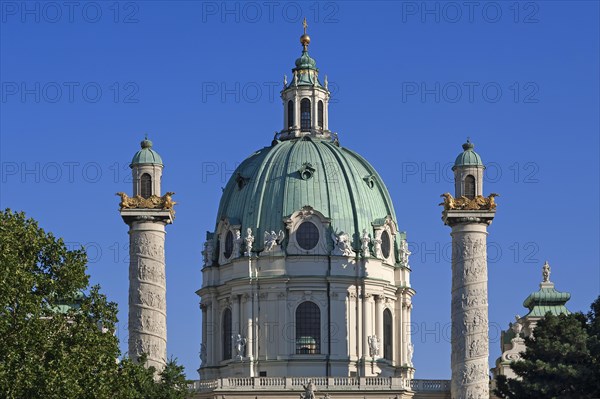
x: 82, y: 84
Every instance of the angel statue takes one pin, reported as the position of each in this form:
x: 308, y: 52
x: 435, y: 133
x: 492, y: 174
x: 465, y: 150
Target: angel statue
x: 365, y: 241
x: 343, y: 247
x: 237, y: 243
x: 272, y: 239
x: 517, y: 326
x: 546, y: 272
x: 373, y: 345
x: 309, y: 391
x: 404, y: 252
x: 240, y: 345
x: 249, y: 241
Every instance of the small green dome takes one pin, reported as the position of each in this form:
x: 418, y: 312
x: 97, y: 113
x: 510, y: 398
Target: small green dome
x: 276, y: 181
x: 146, y: 155
x: 306, y: 72
x: 468, y: 157
x: 306, y: 62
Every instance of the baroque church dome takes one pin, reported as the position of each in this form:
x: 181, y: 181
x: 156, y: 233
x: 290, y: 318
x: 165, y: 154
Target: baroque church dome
x: 276, y: 181
x: 306, y: 242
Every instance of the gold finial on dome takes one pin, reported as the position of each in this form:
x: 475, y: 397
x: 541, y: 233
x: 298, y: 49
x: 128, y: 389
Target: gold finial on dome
x: 305, y: 39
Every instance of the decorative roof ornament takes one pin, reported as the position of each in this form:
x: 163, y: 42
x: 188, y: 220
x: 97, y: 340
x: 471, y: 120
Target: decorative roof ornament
x: 546, y: 273
x: 305, y: 62
x: 478, y: 203
x: 305, y: 39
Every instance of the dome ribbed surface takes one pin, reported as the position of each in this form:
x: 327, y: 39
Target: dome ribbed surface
x: 146, y: 155
x: 277, y: 181
x: 468, y: 157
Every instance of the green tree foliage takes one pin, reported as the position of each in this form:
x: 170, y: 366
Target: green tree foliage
x: 562, y: 360
x: 56, y: 343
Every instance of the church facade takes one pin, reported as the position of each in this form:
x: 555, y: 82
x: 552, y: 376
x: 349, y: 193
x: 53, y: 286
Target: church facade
x: 306, y: 286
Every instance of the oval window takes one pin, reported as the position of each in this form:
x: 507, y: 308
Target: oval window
x: 228, y: 245
x: 385, y: 244
x: 307, y: 235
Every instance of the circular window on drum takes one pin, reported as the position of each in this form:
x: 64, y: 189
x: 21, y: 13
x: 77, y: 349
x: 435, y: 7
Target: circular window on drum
x: 228, y: 245
x: 307, y: 235
x: 386, y: 244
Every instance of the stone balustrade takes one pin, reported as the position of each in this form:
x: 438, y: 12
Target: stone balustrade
x: 321, y: 383
x: 430, y: 385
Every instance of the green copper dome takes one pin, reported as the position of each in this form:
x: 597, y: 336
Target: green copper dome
x: 468, y: 157
x: 146, y: 155
x: 274, y: 182
x: 306, y: 62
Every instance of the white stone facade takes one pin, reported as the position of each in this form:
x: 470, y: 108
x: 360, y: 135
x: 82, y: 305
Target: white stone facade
x: 263, y: 294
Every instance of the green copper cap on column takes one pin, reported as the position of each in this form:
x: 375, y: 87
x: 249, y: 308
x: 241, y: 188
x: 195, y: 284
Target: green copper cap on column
x: 146, y: 156
x: 468, y: 157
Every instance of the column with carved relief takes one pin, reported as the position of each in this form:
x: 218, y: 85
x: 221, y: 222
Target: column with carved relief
x: 147, y: 213
x: 147, y: 285
x: 469, y: 214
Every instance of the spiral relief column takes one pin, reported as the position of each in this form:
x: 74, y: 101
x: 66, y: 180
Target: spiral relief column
x: 147, y: 291
x: 469, y: 214
x: 147, y: 213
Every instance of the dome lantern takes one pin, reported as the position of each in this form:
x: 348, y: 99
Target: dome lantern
x: 146, y: 168
x: 468, y: 172
x: 305, y: 99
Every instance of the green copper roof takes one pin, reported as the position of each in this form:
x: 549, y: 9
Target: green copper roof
x: 63, y: 305
x: 547, y: 299
x: 306, y: 72
x: 305, y: 62
x: 468, y: 157
x: 276, y: 181
x: 146, y: 155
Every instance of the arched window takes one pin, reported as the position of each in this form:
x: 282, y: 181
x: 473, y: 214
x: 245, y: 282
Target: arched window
x: 320, y: 119
x: 387, y: 335
x: 308, y: 328
x: 469, y: 186
x: 290, y: 115
x: 386, y: 244
x: 146, y: 185
x: 227, y: 334
x: 228, y: 245
x: 305, y: 115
